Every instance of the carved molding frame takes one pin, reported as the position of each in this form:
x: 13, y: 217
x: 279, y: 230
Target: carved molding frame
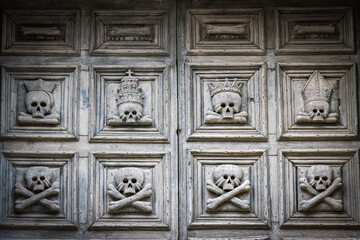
x: 256, y: 161
x: 157, y: 163
x: 67, y: 164
x: 347, y: 159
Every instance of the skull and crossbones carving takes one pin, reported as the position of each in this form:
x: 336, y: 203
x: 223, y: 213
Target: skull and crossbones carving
x: 129, y: 190
x: 320, y: 184
x: 227, y: 184
x: 38, y: 189
x: 39, y: 103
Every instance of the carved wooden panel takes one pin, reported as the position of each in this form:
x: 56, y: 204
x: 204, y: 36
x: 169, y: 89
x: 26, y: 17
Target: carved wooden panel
x: 121, y: 92
x: 41, y: 32
x: 317, y: 101
x: 225, y: 31
x: 227, y: 189
x: 214, y: 89
x: 319, y: 188
x: 314, y: 31
x: 40, y: 187
x: 40, y: 102
x: 130, y: 33
x: 131, y: 190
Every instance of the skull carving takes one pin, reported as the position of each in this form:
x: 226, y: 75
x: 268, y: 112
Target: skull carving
x: 38, y: 103
x: 318, y: 110
x: 129, y: 180
x: 226, y: 104
x: 227, y: 177
x: 38, y: 178
x: 320, y: 177
x: 130, y: 112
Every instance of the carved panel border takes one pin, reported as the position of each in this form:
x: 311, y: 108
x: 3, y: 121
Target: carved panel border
x: 197, y: 170
x: 343, y: 76
x: 47, y: 32
x: 225, y: 32
x: 345, y: 159
x: 66, y: 78
x: 314, y: 31
x: 254, y: 102
x: 130, y: 33
x: 157, y: 166
x: 158, y: 90
x: 65, y: 163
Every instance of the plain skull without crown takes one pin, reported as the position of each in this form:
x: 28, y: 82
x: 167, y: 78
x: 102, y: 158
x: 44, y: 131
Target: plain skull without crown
x: 38, y: 178
x: 227, y: 176
x: 129, y: 180
x: 318, y: 110
x: 320, y: 177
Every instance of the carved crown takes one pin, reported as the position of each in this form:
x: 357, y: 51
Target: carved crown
x: 317, y: 88
x: 40, y: 85
x: 225, y: 86
x: 129, y: 91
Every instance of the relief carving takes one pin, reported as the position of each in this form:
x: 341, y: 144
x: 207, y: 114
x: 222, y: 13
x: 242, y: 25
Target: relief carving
x: 38, y: 188
x: 317, y: 94
x: 318, y: 31
x: 226, y: 102
x: 129, y: 190
x: 139, y: 32
x: 41, y: 33
x: 39, y: 102
x: 225, y: 31
x: 130, y: 103
x: 227, y: 185
x: 321, y: 185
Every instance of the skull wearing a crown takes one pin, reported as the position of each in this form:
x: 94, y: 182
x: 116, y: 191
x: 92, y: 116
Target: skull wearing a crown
x: 38, y: 103
x: 226, y: 104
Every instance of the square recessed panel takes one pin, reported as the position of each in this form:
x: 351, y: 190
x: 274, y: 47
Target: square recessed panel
x: 130, y: 33
x: 154, y: 84
x: 30, y: 87
x: 292, y: 79
x: 56, y: 211
x: 225, y: 32
x: 299, y: 207
x: 205, y: 206
x: 41, y: 32
x: 155, y: 170
x: 315, y: 31
x: 253, y: 102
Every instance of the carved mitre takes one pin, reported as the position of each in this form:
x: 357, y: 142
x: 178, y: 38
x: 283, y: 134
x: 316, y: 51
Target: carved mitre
x: 225, y: 86
x: 39, y: 85
x: 317, y: 89
x: 129, y: 91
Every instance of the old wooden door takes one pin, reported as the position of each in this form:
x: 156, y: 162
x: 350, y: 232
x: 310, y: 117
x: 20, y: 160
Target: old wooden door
x: 168, y: 119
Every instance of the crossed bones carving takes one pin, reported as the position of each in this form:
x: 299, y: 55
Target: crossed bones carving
x: 38, y: 190
x: 129, y: 191
x: 321, y: 187
x: 226, y: 177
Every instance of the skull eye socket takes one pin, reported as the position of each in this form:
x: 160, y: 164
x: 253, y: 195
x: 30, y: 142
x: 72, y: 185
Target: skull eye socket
x: 34, y: 178
x: 42, y: 178
x: 231, y: 105
x: 223, y: 105
x: 133, y: 180
x: 321, y: 110
x: 225, y: 176
x: 125, y: 180
x: 317, y: 178
x: 126, y: 112
x: 314, y: 110
x: 324, y: 178
x: 232, y: 177
x: 34, y: 104
x: 134, y: 112
x: 43, y: 104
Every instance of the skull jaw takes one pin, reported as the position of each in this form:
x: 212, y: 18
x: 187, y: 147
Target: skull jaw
x: 38, y: 115
x: 39, y: 188
x: 318, y: 118
x: 129, y: 191
x: 228, y: 187
x: 320, y: 187
x: 227, y: 115
x: 130, y: 120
